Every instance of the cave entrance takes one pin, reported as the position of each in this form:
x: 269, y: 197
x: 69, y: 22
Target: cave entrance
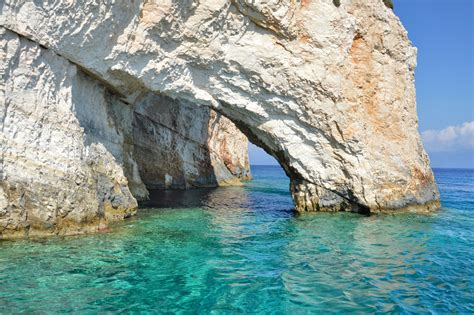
x: 258, y: 156
x: 221, y: 156
x: 266, y: 190
x: 267, y: 173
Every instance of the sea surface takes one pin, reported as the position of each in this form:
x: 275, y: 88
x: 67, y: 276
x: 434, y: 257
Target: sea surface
x: 243, y: 250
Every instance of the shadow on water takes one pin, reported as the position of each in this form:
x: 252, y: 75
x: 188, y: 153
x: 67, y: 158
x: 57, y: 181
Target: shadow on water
x: 193, y: 198
x: 221, y: 199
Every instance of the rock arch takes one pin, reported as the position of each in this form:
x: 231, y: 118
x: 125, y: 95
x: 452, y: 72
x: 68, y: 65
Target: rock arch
x: 328, y: 91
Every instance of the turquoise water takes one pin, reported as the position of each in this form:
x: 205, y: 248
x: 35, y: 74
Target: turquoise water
x: 242, y: 250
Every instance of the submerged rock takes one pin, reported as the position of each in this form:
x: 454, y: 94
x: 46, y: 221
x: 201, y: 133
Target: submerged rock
x: 327, y: 90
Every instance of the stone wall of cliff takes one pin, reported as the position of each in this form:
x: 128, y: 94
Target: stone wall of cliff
x: 179, y: 146
x: 327, y: 90
x: 74, y: 156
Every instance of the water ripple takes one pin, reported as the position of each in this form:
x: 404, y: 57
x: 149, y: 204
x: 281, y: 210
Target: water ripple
x: 242, y: 250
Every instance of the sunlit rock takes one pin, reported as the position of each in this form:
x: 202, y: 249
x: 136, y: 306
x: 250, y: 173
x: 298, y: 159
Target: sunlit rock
x: 75, y: 157
x: 327, y: 90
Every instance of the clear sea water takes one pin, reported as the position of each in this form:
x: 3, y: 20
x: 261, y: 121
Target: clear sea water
x: 242, y: 250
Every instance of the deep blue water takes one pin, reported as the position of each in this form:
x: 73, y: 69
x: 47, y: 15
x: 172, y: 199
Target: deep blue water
x: 243, y: 250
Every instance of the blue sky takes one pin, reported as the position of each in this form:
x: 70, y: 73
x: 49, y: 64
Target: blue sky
x: 443, y: 32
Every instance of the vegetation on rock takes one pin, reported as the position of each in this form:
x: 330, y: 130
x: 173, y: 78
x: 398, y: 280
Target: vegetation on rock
x: 388, y: 3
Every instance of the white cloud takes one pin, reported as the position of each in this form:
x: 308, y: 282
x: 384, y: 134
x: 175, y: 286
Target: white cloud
x: 452, y: 138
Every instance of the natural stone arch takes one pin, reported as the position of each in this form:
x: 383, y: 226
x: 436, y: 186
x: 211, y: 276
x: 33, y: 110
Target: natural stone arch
x: 74, y: 156
x: 326, y: 90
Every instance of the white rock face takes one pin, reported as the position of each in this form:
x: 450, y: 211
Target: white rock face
x: 329, y: 91
x: 54, y: 178
x: 72, y: 152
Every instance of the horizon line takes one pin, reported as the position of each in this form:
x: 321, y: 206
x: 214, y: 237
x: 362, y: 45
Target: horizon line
x: 433, y: 167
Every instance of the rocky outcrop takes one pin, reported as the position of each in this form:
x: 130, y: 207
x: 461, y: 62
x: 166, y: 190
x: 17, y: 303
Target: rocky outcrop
x: 178, y: 145
x: 54, y: 177
x: 228, y: 151
x: 75, y: 157
x: 327, y: 90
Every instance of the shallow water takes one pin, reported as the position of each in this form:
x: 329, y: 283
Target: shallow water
x: 242, y: 250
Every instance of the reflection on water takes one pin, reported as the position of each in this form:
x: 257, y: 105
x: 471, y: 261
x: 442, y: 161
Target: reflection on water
x: 243, y: 250
x: 209, y: 198
x: 175, y: 199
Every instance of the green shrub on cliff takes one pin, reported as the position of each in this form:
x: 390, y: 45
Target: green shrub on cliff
x: 388, y: 3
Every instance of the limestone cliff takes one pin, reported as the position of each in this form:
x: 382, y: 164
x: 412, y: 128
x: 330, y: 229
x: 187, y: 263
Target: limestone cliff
x: 327, y: 90
x: 178, y: 146
x: 74, y: 156
x: 228, y: 150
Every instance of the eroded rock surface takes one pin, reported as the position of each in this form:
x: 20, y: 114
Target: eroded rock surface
x: 329, y: 91
x: 54, y: 178
x: 75, y: 157
x: 178, y: 145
